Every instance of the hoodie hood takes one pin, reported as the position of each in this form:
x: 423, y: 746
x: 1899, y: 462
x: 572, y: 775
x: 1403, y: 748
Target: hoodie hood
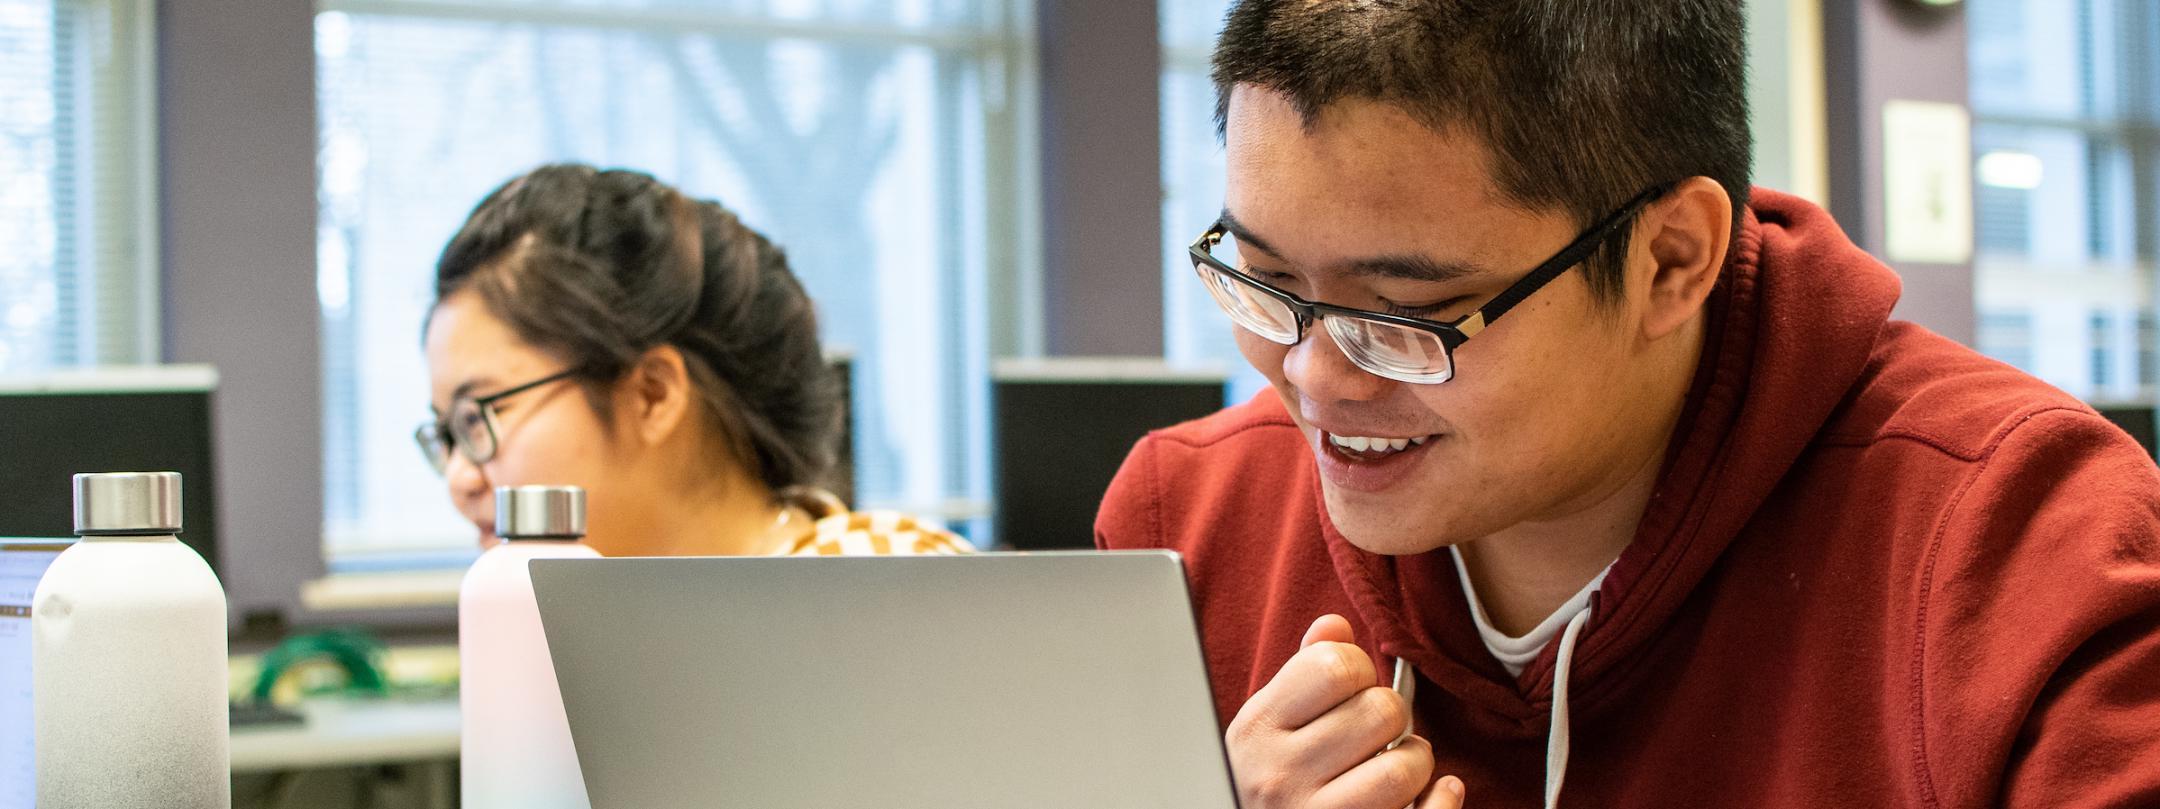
x: 1781, y: 350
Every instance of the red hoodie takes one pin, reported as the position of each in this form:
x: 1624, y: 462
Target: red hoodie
x: 1878, y: 569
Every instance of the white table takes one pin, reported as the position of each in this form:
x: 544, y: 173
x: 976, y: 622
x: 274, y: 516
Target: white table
x: 357, y: 733
x: 344, y: 733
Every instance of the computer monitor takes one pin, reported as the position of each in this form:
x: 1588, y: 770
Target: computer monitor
x: 2139, y: 419
x: 147, y: 419
x: 22, y: 563
x: 1063, y: 427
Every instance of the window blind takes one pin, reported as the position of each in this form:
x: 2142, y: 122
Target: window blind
x: 77, y: 278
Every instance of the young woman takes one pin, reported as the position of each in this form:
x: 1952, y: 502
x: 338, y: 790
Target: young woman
x: 600, y: 329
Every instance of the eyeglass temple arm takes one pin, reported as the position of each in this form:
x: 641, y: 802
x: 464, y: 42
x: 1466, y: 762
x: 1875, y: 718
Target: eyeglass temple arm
x: 490, y: 399
x: 1573, y: 254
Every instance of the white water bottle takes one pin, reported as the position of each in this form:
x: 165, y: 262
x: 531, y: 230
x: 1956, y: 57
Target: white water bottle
x: 128, y: 658
x: 516, y: 749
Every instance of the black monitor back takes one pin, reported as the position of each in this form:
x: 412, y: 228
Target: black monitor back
x: 53, y: 426
x: 2139, y: 420
x: 841, y: 480
x: 1063, y: 427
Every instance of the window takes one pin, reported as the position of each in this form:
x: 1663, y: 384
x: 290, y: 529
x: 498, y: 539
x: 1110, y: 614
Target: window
x: 2148, y: 351
x: 1195, y: 332
x: 77, y: 272
x: 2066, y: 97
x: 2007, y: 336
x: 864, y: 136
x: 2103, y: 349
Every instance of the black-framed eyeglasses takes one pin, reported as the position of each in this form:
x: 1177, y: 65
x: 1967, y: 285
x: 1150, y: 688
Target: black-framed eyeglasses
x: 469, y: 428
x: 1398, y: 347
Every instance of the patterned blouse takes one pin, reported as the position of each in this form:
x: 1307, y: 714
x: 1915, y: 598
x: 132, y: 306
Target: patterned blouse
x: 840, y: 532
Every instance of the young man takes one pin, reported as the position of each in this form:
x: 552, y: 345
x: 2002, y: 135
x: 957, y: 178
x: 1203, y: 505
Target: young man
x: 1621, y: 470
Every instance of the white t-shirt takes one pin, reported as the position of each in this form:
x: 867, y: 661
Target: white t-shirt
x: 1516, y: 652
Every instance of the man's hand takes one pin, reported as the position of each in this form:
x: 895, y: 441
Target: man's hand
x: 1317, y: 734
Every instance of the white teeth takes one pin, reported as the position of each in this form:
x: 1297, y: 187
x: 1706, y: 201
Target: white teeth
x: 1360, y: 443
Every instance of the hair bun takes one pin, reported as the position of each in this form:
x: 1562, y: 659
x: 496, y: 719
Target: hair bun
x: 599, y: 267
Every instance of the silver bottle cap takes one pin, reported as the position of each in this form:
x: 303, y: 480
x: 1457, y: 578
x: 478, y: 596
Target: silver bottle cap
x: 539, y: 512
x: 124, y: 503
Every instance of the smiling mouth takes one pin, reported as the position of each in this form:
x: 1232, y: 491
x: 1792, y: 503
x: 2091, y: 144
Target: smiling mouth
x: 1358, y: 448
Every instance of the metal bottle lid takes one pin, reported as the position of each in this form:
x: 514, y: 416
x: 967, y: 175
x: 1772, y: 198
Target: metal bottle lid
x: 539, y: 512
x: 127, y: 503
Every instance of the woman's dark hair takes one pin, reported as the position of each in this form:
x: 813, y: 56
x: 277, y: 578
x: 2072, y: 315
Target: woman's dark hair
x: 599, y: 267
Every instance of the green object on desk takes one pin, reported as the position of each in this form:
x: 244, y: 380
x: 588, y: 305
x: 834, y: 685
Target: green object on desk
x: 359, y: 654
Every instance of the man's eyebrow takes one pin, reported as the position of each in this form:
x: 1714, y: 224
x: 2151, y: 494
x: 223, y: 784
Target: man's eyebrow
x: 1245, y: 236
x: 1407, y: 267
x: 1411, y: 268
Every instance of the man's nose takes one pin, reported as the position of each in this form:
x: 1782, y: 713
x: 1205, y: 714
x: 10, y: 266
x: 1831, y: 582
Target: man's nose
x: 1318, y: 367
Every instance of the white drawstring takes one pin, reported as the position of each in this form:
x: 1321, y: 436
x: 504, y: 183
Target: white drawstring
x: 1405, y: 685
x: 1556, y: 742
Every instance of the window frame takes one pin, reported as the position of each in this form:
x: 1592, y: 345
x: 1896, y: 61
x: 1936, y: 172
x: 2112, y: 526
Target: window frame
x: 1007, y: 238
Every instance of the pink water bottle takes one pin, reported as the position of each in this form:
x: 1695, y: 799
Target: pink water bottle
x: 516, y: 749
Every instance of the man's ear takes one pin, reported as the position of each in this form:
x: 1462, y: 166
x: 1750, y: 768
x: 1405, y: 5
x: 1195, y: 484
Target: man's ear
x: 1686, y: 235
x: 656, y: 396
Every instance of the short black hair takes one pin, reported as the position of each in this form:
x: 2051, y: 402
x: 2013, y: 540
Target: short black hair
x: 1582, y: 103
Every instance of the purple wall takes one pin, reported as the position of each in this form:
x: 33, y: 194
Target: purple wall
x: 1101, y: 177
x: 1876, y: 51
x: 236, y: 186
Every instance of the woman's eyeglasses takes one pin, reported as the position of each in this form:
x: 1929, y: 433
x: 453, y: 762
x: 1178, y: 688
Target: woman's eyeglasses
x: 470, y: 426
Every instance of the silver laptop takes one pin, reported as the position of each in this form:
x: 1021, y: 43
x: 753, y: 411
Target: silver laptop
x: 1046, y: 681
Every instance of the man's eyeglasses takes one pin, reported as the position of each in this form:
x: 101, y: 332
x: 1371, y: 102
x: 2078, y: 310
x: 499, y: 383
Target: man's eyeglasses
x: 1405, y: 349
x: 470, y: 426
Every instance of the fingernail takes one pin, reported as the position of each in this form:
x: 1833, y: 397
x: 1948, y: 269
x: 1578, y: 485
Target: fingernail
x: 1453, y: 785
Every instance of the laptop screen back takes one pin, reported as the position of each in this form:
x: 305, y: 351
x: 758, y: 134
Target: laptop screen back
x: 1051, y: 681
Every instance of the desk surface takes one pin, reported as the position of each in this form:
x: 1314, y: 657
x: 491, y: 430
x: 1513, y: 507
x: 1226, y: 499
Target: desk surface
x: 344, y: 733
